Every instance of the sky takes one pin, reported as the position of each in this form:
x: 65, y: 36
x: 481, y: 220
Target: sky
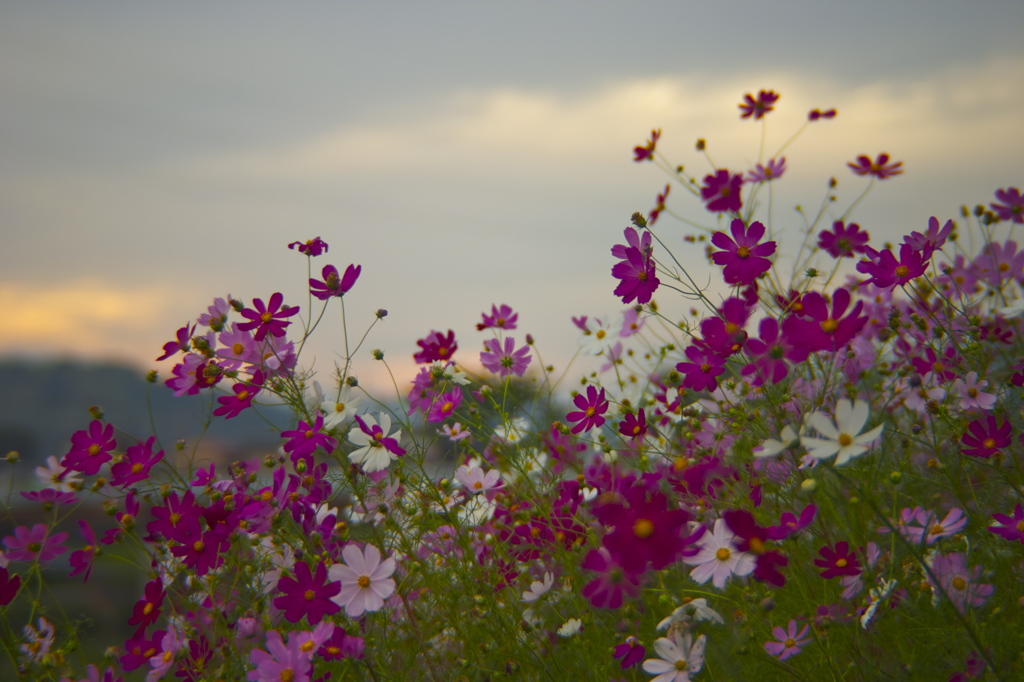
x: 154, y: 156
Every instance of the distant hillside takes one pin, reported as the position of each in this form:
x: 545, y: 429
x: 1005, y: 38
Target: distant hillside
x: 43, y: 403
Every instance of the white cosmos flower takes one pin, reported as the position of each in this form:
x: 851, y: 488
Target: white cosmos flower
x: 602, y: 337
x: 570, y: 628
x: 372, y: 453
x: 339, y: 407
x: 538, y: 588
x: 678, y: 658
x: 841, y: 436
x: 789, y: 438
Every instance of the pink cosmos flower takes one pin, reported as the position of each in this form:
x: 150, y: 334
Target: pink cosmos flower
x: 244, y: 393
x: 475, y: 480
x: 332, y: 284
x: 880, y: 168
x: 1012, y: 207
x: 147, y: 609
x: 971, y: 393
x: 1012, y: 527
x: 932, y: 240
x: 268, y: 318
x: 310, y: 247
x: 135, y: 466
x: 591, y: 410
x: 768, y: 354
x: 505, y: 361
x: 35, y: 544
x: 181, y: 344
x: 824, y: 329
x: 760, y: 106
x: 719, y: 558
x: 365, y: 580
x: 773, y: 171
x: 701, y: 370
x: 816, y: 114
x: 216, y: 315
x: 631, y: 652
x: 305, y: 438
x: 986, y: 438
x: 999, y: 262
x: 436, y: 346
x: 743, y: 259
x: 646, y: 153
x: 90, y: 449
x: 634, y: 425
x: 445, y: 405
x: 959, y: 583
x: 283, y: 662
x: 500, y: 318
x: 644, y: 530
x: 844, y: 240
x: 50, y: 497
x: 307, y: 595
x: 790, y: 642
x: 721, y: 191
x: 81, y: 560
x: 9, y: 586
x: 637, y: 270
x: 659, y: 207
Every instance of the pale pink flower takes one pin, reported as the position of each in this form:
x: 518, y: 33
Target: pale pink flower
x: 365, y: 580
x: 789, y: 643
x: 476, y: 481
x: 719, y: 558
x: 971, y: 396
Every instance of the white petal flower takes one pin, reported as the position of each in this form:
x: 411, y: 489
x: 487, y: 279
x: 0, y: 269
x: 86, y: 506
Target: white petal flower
x: 841, y: 436
x: 538, y: 588
x: 372, y: 453
x: 789, y: 438
x: 570, y: 628
x: 677, y: 658
x: 365, y: 580
x: 337, y: 408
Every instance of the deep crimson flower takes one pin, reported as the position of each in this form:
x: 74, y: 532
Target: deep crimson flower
x: 769, y: 353
x: 634, y: 425
x: 752, y: 539
x: 844, y: 240
x: 721, y: 191
x: 81, y: 560
x: 436, y: 347
x: 332, y: 284
x: 178, y: 520
x: 790, y: 524
x: 1012, y: 207
x: 644, y: 530
x: 306, y: 438
x: 656, y: 211
x: 723, y: 334
x: 943, y: 368
x: 647, y: 151
x: 307, y: 594
x: 90, y: 449
x: 887, y: 272
x: 500, y: 318
x: 34, y: 544
x: 1012, y: 527
x: 816, y: 114
x: 837, y: 562
x: 204, y: 554
x: 310, y: 247
x: 183, y: 337
x: 986, y: 438
x: 591, y: 409
x: 138, y: 650
x: 880, y: 168
x: 341, y: 645
x: 9, y: 586
x: 701, y: 370
x: 631, y: 652
x: 232, y: 405
x: 147, y: 609
x: 135, y: 466
x: 742, y: 258
x: 637, y: 269
x: 822, y: 329
x: 760, y: 106
x: 267, y: 318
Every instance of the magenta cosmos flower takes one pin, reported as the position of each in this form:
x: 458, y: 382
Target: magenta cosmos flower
x: 90, y: 449
x: 135, y: 466
x: 365, y: 580
x: 1012, y: 207
x: 743, y: 259
x: 267, y: 318
x: 646, y: 152
x: 879, y: 168
x: 1012, y: 527
x: 310, y: 247
x: 986, y: 438
x: 30, y: 545
x: 307, y: 594
x: 500, y: 318
x: 789, y: 643
x: 817, y: 114
x: 506, y: 360
x: 823, y: 328
x: 887, y: 273
x: 283, y: 662
x: 773, y: 171
x: 721, y: 191
x: 591, y: 410
x: 334, y: 284
x: 305, y: 439
x: 760, y: 106
x: 436, y: 346
x: 638, y: 275
x: 837, y: 562
x: 843, y: 240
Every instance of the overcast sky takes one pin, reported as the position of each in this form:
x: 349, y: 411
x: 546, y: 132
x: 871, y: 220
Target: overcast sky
x: 154, y: 156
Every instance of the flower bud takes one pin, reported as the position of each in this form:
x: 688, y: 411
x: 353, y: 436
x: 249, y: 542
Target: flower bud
x: 895, y: 477
x: 151, y: 376
x: 377, y: 354
x: 13, y: 457
x: 381, y: 314
x: 701, y: 144
x: 809, y: 485
x: 352, y: 381
x: 96, y: 412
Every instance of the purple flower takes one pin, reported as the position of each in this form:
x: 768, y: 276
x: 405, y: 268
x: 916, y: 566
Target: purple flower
x: 81, y: 560
x: 9, y: 586
x: 50, y: 497
x: 1012, y: 527
x: 932, y: 240
x: 744, y: 260
x: 822, y: 328
x: 90, y: 449
x: 332, y: 284
x: 507, y: 360
x: 837, y: 562
x: 307, y: 595
x: 267, y: 318
x: 591, y: 409
x: 773, y: 171
x: 789, y: 643
x: 310, y: 247
x: 959, y: 583
x: 436, y: 347
x: 147, y: 609
x: 135, y: 466
x: 35, y: 544
x: 305, y: 439
x: 608, y: 589
x: 638, y: 275
x: 701, y: 370
x: 844, y: 240
x: 500, y: 318
x: 886, y: 272
x: 880, y: 168
x: 721, y: 191
x: 986, y: 438
x: 1012, y: 207
x: 183, y: 337
x: 760, y: 106
x: 631, y: 652
x: 232, y: 405
x: 445, y: 405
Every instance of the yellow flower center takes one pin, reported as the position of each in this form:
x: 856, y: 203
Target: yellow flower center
x: 743, y: 252
x: 198, y: 546
x: 959, y: 583
x: 790, y: 643
x: 266, y: 317
x: 643, y: 528
x: 829, y: 326
x: 723, y: 554
x: 841, y: 563
x: 309, y: 595
x: 364, y: 581
x: 845, y: 439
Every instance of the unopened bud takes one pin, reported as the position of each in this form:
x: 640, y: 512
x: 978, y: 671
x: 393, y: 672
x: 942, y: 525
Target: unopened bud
x: 701, y: 144
x: 377, y: 354
x: 638, y: 219
x: 809, y: 485
x: 13, y: 457
x: 151, y: 376
x: 96, y: 412
x: 529, y: 339
x: 381, y: 313
x: 352, y: 381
